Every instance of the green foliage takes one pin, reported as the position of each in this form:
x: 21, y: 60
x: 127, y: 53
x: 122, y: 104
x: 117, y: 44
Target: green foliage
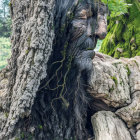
x: 5, y: 19
x: 117, y: 7
x: 5, y: 51
x: 128, y: 70
x: 5, y: 27
x: 126, y: 34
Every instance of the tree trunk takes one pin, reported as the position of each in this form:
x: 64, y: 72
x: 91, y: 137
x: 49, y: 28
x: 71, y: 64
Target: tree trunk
x: 123, y: 39
x: 51, y: 87
x: 46, y: 97
x: 32, y: 38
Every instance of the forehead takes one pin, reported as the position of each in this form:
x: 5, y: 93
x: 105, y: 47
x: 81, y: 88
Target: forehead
x: 85, y: 6
x: 84, y: 10
x: 90, y: 8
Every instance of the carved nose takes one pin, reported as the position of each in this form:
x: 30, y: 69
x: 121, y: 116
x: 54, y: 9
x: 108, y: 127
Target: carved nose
x: 89, y: 34
x: 89, y: 30
x: 101, y: 35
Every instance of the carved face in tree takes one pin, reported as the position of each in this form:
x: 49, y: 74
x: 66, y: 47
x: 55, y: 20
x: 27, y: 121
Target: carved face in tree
x: 78, y: 24
x: 84, y: 26
x: 87, y: 19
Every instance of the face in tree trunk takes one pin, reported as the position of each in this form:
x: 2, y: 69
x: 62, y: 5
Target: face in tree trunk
x: 62, y: 104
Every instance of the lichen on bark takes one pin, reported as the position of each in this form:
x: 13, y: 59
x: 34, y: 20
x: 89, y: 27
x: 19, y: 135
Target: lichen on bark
x: 32, y: 38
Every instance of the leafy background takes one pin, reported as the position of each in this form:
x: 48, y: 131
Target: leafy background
x: 5, y: 51
x: 5, y: 31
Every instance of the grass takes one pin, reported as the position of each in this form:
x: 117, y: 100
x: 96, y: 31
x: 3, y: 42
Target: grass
x: 5, y: 51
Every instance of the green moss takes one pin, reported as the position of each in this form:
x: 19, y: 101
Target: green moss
x: 111, y: 89
x: 40, y: 127
x: 22, y: 135
x: 115, y: 80
x: 27, y: 51
x: 128, y: 70
x: 138, y: 38
x: 10, y: 4
x: 6, y: 115
x: 70, y: 15
x: 136, y: 63
x: 124, y: 32
x: 29, y: 40
x: 126, y: 54
x: 108, y: 45
x: 117, y: 54
x: 17, y: 138
x: 121, y: 83
x: 138, y: 54
x: 119, y: 30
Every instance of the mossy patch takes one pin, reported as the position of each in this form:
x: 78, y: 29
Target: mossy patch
x: 111, y: 89
x: 115, y: 80
x: 128, y: 70
x: 123, y: 32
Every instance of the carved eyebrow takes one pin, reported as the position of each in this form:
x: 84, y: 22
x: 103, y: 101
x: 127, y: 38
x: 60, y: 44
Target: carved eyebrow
x: 83, y: 13
x: 79, y: 22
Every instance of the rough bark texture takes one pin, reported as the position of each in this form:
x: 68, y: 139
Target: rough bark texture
x: 32, y: 38
x: 107, y: 126
x: 116, y: 82
x: 52, y: 96
x: 61, y: 106
x: 123, y: 38
x: 58, y: 112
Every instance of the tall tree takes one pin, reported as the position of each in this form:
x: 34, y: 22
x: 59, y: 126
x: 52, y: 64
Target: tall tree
x: 45, y: 96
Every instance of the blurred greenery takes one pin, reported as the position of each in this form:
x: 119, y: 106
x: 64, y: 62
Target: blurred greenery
x: 5, y: 51
x: 98, y: 45
x: 5, y: 19
x: 117, y: 7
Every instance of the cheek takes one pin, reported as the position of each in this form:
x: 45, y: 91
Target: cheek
x: 79, y: 27
x: 79, y: 24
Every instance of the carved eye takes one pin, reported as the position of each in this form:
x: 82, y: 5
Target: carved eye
x: 83, y: 14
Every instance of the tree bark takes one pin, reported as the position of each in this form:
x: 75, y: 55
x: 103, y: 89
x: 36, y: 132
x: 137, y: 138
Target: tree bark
x: 45, y: 97
x: 32, y: 37
x: 51, y: 87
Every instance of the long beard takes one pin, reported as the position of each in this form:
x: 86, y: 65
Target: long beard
x: 89, y: 43
x: 82, y: 44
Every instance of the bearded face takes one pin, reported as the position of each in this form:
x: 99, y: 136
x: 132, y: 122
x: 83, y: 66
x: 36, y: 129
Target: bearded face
x: 89, y: 24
